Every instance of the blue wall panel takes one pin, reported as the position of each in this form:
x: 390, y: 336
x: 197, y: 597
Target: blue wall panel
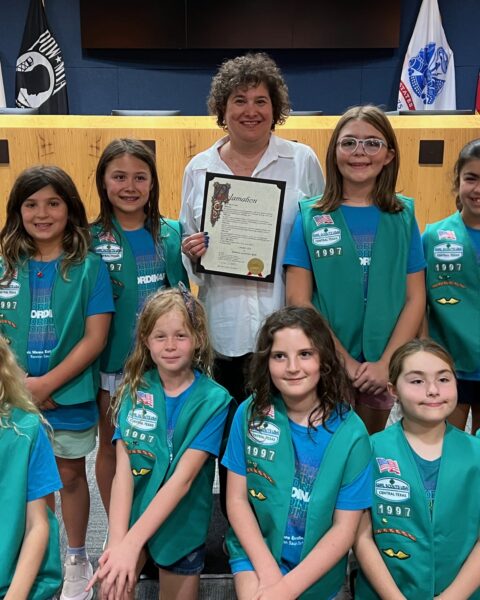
x: 326, y: 80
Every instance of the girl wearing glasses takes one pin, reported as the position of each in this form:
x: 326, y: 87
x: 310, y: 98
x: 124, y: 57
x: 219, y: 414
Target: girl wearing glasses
x: 355, y: 254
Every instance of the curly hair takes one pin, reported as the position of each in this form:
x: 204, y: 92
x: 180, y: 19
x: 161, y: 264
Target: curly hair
x: 384, y: 196
x: 16, y: 244
x: 116, y: 149
x: 333, y: 389
x: 158, y: 304
x: 244, y: 72
x: 412, y: 347
x: 470, y: 151
x: 13, y: 391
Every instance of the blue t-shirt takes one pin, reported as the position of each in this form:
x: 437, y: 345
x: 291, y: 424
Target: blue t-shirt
x: 428, y: 470
x: 150, y: 262
x: 42, y: 337
x: 43, y: 477
x: 362, y: 221
x: 209, y: 439
x: 309, y: 447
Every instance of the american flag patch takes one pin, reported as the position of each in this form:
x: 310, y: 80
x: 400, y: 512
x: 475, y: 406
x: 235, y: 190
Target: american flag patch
x: 388, y: 465
x: 323, y: 219
x: 106, y: 236
x: 446, y: 234
x: 145, y: 398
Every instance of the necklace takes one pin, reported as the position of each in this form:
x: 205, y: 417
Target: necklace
x: 41, y: 272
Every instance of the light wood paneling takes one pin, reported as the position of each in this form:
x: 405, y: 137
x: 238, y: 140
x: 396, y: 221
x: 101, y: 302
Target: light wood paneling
x: 76, y: 142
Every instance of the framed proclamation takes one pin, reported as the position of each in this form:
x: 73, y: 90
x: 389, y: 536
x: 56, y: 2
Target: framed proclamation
x: 242, y: 217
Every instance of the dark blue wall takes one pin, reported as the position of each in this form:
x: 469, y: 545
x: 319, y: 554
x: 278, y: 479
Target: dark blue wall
x: 326, y: 80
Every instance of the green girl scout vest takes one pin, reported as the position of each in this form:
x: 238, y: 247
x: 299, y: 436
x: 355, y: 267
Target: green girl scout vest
x: 362, y: 327
x: 424, y: 553
x: 453, y: 290
x: 144, y: 432
x: 270, y: 462
x: 69, y: 307
x: 115, y: 250
x: 15, y: 447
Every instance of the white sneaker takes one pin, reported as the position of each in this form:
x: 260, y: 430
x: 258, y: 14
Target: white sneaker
x: 78, y: 572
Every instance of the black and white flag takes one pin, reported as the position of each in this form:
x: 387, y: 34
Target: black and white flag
x: 40, y: 78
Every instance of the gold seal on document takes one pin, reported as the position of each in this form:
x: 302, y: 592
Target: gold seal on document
x: 255, y: 266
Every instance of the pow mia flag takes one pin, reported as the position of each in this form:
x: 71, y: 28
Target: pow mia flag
x: 40, y: 76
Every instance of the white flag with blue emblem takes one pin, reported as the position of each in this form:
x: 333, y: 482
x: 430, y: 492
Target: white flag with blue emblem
x: 428, y: 74
x: 2, y: 91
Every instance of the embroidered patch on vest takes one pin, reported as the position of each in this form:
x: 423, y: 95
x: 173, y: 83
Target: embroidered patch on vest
x: 322, y: 220
x: 266, y: 433
x: 106, y: 236
x: 4, y: 321
x: 410, y: 536
x: 448, y: 300
x: 388, y: 465
x: 400, y: 554
x: 326, y: 236
x: 10, y: 290
x: 390, y: 488
x: 142, y: 419
x: 109, y: 252
x: 253, y: 468
x: 448, y: 252
x: 328, y: 252
x: 446, y: 234
x: 141, y: 472
x: 257, y: 495
x: 145, y: 398
x: 142, y: 452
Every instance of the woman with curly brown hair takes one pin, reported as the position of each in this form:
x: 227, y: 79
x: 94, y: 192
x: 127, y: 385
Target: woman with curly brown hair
x: 298, y: 460
x: 249, y: 98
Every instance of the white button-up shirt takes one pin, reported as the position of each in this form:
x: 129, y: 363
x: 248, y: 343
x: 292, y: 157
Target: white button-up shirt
x: 237, y: 307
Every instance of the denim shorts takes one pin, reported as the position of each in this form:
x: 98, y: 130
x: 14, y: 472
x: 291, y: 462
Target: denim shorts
x: 192, y: 564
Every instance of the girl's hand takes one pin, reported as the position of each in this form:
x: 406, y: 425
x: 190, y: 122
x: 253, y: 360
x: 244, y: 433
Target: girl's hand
x: 41, y: 392
x: 352, y: 367
x: 194, y: 246
x: 117, y: 571
x: 371, y: 377
x: 277, y: 591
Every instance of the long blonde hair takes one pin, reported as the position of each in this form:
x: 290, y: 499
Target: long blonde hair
x: 13, y: 391
x: 157, y: 305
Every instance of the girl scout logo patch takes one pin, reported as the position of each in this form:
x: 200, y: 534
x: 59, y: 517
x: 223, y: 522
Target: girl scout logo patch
x: 448, y: 251
x: 142, y: 419
x: 264, y: 433
x: 326, y: 236
x: 10, y: 290
x: 392, y: 489
x: 110, y: 252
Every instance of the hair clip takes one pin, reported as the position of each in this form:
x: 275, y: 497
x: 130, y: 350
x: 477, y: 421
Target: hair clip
x: 189, y: 301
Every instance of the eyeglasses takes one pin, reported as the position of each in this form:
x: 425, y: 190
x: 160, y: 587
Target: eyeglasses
x: 371, y: 146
